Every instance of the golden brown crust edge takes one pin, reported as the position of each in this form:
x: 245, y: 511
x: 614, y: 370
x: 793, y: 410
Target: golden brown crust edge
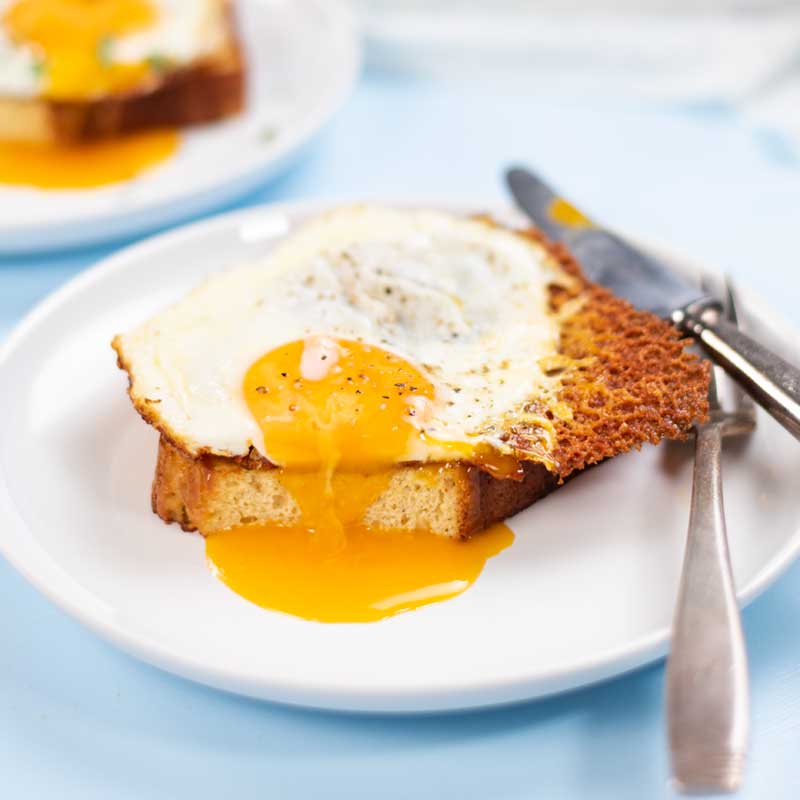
x: 637, y: 382
x: 210, y: 89
x: 146, y: 411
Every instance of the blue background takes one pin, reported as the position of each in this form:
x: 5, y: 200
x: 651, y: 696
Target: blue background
x: 80, y: 720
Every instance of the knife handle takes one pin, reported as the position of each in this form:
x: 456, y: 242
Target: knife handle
x: 771, y: 381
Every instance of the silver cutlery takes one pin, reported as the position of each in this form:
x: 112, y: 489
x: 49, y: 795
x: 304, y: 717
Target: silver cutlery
x: 707, y: 693
x: 707, y: 686
x: 642, y: 279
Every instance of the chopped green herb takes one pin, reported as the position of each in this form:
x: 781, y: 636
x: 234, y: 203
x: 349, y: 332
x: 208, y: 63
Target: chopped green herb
x: 104, y: 46
x: 158, y: 62
x: 267, y: 135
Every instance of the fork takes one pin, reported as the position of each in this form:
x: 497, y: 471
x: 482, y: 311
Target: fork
x: 707, y: 686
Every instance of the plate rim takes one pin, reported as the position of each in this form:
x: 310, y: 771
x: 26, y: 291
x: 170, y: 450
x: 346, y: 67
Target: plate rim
x: 112, y: 226
x: 467, y: 695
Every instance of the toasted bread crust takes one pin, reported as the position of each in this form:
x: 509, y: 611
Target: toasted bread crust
x: 635, y: 383
x: 209, y: 89
x: 210, y: 493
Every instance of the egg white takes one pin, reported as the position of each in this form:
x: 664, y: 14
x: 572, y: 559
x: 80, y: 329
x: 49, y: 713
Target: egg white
x: 186, y: 30
x: 463, y: 301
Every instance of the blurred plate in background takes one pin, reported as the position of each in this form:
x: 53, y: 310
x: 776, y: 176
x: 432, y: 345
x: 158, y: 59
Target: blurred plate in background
x: 303, y: 58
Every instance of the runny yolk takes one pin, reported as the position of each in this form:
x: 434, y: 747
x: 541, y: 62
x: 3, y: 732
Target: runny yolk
x: 82, y: 166
x: 72, y: 39
x: 338, y: 415
x: 322, y: 402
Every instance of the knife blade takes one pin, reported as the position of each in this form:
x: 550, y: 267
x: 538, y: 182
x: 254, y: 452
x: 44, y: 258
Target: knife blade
x: 606, y: 258
x: 648, y: 284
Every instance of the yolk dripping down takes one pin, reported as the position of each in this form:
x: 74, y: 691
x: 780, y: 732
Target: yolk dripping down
x: 338, y: 415
x: 81, y: 166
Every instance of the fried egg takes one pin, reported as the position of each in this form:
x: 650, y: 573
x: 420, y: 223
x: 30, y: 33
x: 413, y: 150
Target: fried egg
x: 406, y: 335
x: 371, y: 337
x: 81, y: 49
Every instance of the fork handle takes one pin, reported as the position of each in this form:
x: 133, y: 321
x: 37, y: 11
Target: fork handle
x: 771, y: 381
x: 707, y: 694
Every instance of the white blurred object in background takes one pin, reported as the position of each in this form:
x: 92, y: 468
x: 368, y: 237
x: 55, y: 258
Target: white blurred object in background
x: 742, y: 52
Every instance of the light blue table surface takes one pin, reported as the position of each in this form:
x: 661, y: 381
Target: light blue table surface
x: 80, y: 720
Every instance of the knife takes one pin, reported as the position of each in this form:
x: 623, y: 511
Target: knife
x: 649, y: 284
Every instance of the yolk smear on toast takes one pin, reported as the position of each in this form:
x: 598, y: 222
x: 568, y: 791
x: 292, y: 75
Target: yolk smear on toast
x: 72, y: 39
x: 83, y: 166
x: 338, y: 415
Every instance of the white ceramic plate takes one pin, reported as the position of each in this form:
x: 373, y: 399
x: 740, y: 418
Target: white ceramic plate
x: 585, y: 592
x: 303, y: 57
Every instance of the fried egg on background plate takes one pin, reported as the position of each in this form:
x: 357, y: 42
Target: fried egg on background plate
x: 369, y: 338
x: 83, y: 50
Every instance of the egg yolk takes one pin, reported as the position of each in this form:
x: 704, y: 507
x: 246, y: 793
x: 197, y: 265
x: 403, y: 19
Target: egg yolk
x: 72, y: 39
x: 82, y: 166
x: 337, y: 415
x: 339, y: 404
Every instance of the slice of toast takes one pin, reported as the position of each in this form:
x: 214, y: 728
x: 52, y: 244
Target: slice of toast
x: 211, y: 493
x: 636, y: 383
x: 208, y: 89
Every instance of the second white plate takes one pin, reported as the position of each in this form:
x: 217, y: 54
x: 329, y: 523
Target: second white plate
x: 302, y: 60
x: 585, y: 592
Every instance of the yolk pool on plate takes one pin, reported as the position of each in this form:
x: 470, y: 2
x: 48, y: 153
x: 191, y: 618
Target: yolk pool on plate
x: 368, y: 576
x: 72, y: 38
x: 338, y: 415
x: 50, y: 166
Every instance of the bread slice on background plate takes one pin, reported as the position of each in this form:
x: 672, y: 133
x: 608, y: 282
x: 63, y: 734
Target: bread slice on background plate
x: 169, y: 92
x: 624, y: 379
